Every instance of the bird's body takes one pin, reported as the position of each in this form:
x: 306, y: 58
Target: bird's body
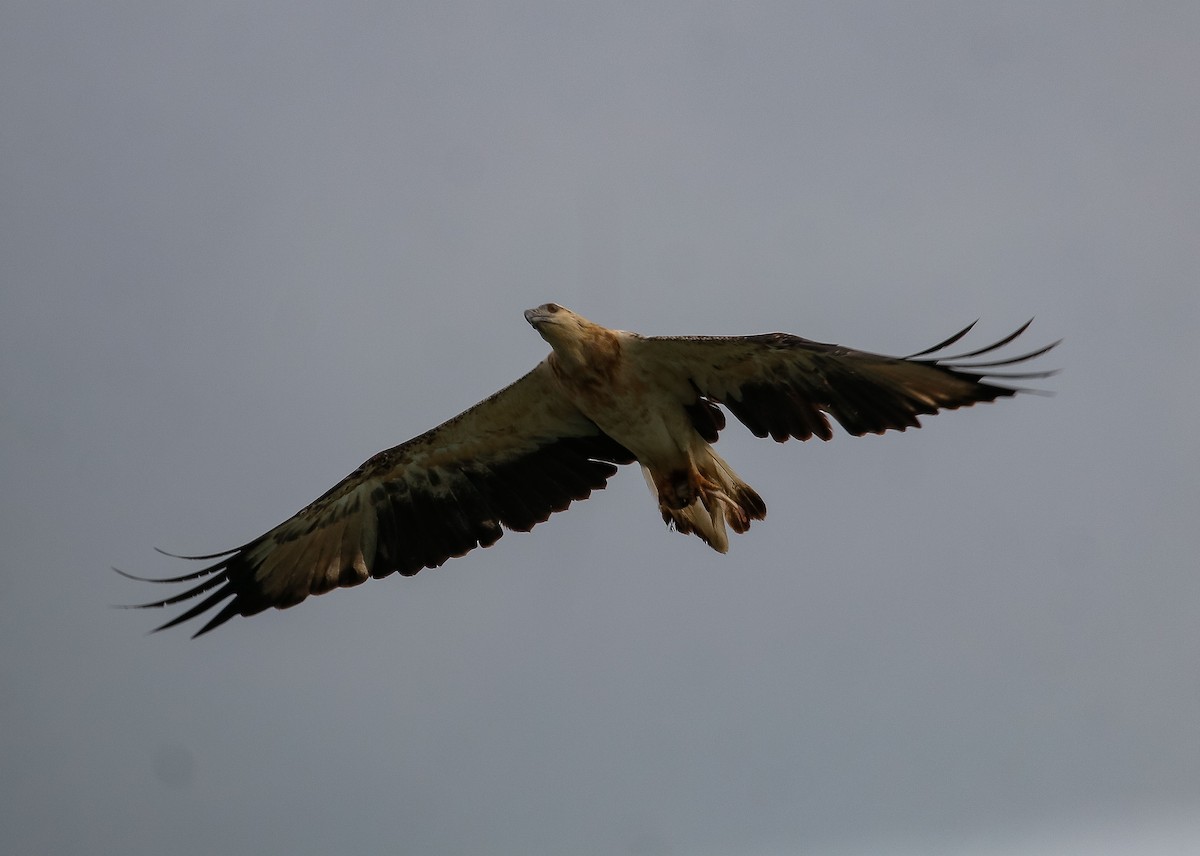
x: 614, y: 379
x: 601, y: 398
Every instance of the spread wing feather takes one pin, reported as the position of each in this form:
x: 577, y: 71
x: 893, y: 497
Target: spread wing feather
x: 508, y: 462
x: 783, y: 386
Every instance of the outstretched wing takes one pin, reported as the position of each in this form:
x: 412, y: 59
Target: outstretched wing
x: 510, y: 461
x: 784, y: 386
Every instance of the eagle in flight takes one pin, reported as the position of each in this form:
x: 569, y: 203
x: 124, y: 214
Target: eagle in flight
x: 599, y: 399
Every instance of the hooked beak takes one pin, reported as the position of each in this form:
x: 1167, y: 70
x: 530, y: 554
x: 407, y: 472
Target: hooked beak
x: 541, y: 314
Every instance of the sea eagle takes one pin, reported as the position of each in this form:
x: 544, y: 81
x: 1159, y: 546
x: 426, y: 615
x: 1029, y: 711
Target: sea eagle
x: 600, y: 398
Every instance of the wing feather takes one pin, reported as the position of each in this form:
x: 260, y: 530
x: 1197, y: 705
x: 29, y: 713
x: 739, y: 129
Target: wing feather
x: 785, y: 386
x: 509, y: 462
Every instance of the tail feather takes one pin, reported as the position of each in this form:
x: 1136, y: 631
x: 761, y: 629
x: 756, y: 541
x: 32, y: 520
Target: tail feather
x: 704, y: 500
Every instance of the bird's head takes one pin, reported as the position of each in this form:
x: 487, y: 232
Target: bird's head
x: 556, y: 323
x: 569, y: 334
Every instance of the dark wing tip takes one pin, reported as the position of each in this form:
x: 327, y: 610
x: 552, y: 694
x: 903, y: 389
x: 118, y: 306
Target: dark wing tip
x: 1000, y: 343
x: 945, y: 343
x: 217, y: 576
x: 184, y: 578
x: 965, y: 366
x: 197, y: 558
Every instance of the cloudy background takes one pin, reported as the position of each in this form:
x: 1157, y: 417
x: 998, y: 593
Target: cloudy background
x: 245, y: 246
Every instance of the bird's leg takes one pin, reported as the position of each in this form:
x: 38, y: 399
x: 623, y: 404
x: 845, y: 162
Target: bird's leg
x: 678, y: 488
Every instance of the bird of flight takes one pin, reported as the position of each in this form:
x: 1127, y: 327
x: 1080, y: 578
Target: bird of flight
x: 600, y: 398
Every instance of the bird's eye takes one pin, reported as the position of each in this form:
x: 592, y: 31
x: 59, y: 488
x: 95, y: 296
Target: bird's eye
x: 552, y: 308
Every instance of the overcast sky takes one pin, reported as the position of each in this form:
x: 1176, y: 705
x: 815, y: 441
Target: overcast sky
x: 245, y: 246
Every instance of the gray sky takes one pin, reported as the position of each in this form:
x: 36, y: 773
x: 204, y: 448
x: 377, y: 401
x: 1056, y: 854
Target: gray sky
x: 245, y: 246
